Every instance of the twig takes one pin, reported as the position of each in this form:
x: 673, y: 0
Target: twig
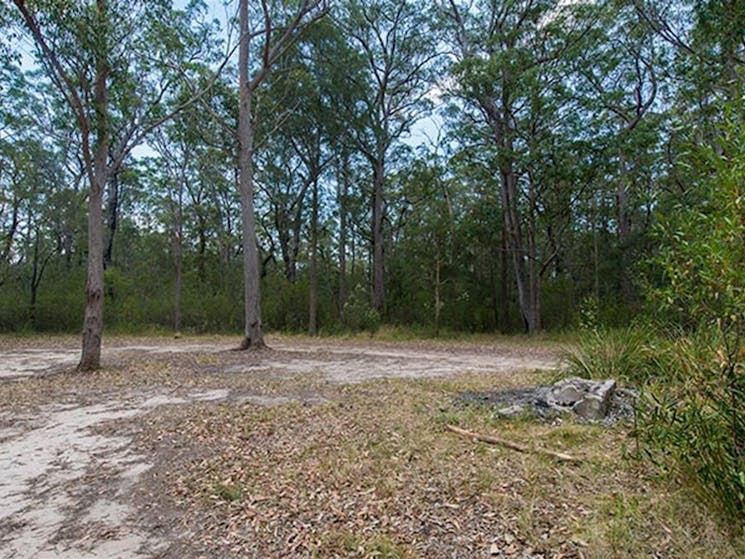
x: 511, y: 445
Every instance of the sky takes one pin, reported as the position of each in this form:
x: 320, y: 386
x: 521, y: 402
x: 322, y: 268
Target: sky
x: 424, y: 132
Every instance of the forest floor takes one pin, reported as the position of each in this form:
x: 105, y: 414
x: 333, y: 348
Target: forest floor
x: 314, y: 448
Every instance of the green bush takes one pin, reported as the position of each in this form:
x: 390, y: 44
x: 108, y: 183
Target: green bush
x: 691, y: 416
x: 630, y: 354
x: 695, y: 426
x: 695, y: 422
x: 359, y: 314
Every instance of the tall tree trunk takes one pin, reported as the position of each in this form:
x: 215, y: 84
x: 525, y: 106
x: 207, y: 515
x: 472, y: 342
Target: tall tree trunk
x: 534, y: 276
x: 12, y: 229
x: 179, y: 258
x: 623, y: 219
x: 112, y: 217
x: 313, y: 295
x: 515, y: 243
x: 93, y: 321
x: 377, y: 233
x: 353, y: 252
x: 511, y: 215
x: 282, y: 223
x: 253, y: 335
x: 342, y: 193
x: 506, y: 323
x: 34, y: 283
x: 595, y: 250
x: 438, y: 305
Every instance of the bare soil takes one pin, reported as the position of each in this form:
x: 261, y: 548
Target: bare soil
x: 313, y: 448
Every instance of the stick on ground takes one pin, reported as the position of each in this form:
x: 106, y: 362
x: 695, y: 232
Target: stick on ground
x: 512, y: 445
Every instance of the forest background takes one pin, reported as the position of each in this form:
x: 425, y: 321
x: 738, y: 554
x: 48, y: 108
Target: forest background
x: 453, y: 166
x: 548, y: 139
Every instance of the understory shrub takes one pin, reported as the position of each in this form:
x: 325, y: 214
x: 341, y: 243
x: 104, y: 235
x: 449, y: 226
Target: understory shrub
x: 359, y: 314
x: 622, y: 353
x: 694, y: 424
x: 691, y: 415
x: 691, y: 411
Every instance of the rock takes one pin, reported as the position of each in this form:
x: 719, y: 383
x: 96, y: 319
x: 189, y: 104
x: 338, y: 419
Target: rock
x: 595, y: 404
x: 587, y: 399
x: 566, y: 394
x: 511, y: 411
x: 590, y: 407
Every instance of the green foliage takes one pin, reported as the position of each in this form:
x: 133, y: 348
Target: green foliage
x: 628, y: 354
x: 285, y: 303
x: 695, y: 425
x: 691, y: 419
x: 702, y: 255
x: 359, y: 314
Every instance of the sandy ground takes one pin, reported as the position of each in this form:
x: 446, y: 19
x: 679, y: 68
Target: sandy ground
x: 67, y: 484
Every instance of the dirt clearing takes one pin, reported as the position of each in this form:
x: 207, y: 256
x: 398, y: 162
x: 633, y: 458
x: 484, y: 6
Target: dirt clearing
x: 315, y: 448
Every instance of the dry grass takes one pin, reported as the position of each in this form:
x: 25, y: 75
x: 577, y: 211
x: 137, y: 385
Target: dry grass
x: 373, y: 473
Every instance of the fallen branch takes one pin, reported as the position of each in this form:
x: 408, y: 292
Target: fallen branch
x: 509, y: 444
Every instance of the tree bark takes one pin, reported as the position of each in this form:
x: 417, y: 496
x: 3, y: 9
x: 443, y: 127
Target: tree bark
x: 515, y: 243
x: 595, y: 250
x: 112, y: 217
x: 377, y: 234
x: 287, y: 244
x: 526, y: 298
x: 289, y: 228
x: 34, y: 283
x: 179, y: 257
x: 438, y: 305
x: 342, y: 193
x: 534, y: 276
x: 93, y: 321
x: 252, y: 335
x: 504, y: 292
x: 623, y: 218
x: 12, y: 228
x: 313, y: 295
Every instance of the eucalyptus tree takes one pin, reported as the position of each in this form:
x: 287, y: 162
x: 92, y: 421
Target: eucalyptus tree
x: 272, y: 31
x: 338, y: 71
x: 510, y: 71
x: 87, y: 50
x: 285, y: 192
x: 708, y: 34
x: 15, y: 95
x: 620, y: 77
x: 195, y: 175
x: 428, y: 236
x: 315, y: 119
x: 396, y: 39
x: 36, y: 189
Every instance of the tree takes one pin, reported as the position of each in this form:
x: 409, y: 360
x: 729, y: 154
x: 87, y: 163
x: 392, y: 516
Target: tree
x: 395, y: 39
x: 618, y: 78
x: 84, y: 48
x: 281, y: 30
x: 509, y: 67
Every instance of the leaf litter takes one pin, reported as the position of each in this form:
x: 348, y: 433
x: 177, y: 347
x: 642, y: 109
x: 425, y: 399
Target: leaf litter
x: 227, y: 454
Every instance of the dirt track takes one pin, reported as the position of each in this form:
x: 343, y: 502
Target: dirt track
x: 68, y: 479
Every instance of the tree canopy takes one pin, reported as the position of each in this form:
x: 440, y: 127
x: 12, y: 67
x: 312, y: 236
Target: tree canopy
x: 460, y: 165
